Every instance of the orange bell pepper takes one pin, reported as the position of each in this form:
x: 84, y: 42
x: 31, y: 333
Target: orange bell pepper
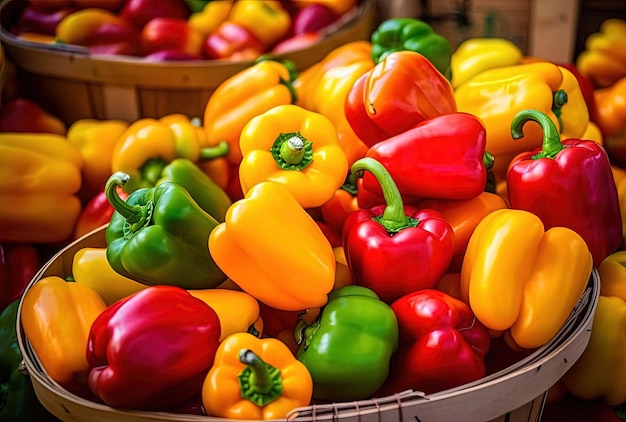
x: 603, y: 60
x: 57, y: 316
x: 610, y: 116
x: 255, y: 379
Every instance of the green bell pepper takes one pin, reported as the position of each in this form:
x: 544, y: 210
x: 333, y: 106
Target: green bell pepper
x: 397, y: 34
x: 18, y: 401
x: 347, y: 349
x: 209, y: 196
x: 160, y: 236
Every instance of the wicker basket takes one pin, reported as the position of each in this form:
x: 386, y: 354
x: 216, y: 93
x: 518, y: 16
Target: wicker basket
x: 516, y: 393
x: 74, y: 85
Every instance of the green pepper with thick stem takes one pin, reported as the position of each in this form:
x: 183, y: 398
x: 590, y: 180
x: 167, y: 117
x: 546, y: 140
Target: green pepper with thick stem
x: 160, y: 236
x: 411, y: 34
x: 347, y: 349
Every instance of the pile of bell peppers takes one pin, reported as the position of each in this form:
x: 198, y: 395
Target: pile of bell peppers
x: 316, y: 237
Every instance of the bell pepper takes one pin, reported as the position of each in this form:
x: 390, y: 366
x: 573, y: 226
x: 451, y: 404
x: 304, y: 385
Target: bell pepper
x: 18, y: 401
x: 41, y: 20
x: 101, y: 31
x: 141, y: 12
x: 295, y: 147
x: 95, y: 140
x: 475, y: 55
x: 348, y: 347
x: 574, y: 175
x: 230, y: 41
x: 18, y: 265
x: 496, y: 95
x: 255, y: 379
x: 41, y: 175
x: 268, y: 20
x: 401, y: 34
x: 395, y: 249
x: 96, y: 213
x: 610, y: 116
x: 441, y: 157
x: 248, y: 93
x: 574, y: 118
x: 170, y: 34
x: 91, y: 268
x: 56, y: 316
x: 442, y: 345
x: 376, y: 111
x: 520, y: 277
x: 237, y: 311
x: 160, y: 360
x: 344, y: 201
x: 212, y: 14
x: 338, y: 6
x: 24, y: 115
x: 602, y: 59
x: 312, y: 19
x: 159, y: 236
x: 586, y: 87
x: 293, y: 275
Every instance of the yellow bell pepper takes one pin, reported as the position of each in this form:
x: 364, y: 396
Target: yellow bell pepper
x: 95, y: 140
x: 274, y: 250
x: 91, y: 268
x: 601, y: 370
x: 241, y: 97
x: 603, y: 60
x: 40, y: 175
x: 297, y: 148
x: 268, y: 20
x: 237, y: 311
x: 56, y: 316
x: 475, y: 55
x: 518, y: 277
x: 210, y: 17
x: 574, y: 114
x: 255, y: 379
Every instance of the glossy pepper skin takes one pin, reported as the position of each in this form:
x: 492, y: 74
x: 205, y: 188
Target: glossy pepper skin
x: 172, y: 35
x: 294, y: 147
x: 18, y: 401
x: 603, y: 59
x: 19, y: 262
x: 441, y: 157
x: 398, y: 34
x: 273, y: 249
x: 96, y: 213
x: 230, y: 41
x: 158, y: 236
x: 610, y: 116
x: 522, y: 278
x: 171, y: 341
x: 268, y: 20
x: 251, y: 92
x: 441, y: 344
x: 376, y: 111
x: 348, y: 347
x: 56, y: 316
x: 212, y: 14
x: 255, y: 379
x: 40, y: 177
x: 572, y: 174
x: 395, y: 249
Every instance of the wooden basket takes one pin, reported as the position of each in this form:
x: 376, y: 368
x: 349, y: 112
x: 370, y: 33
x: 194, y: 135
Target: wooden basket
x: 516, y: 393
x: 72, y: 84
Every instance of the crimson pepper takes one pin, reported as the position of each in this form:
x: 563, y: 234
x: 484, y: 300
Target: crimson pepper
x: 313, y: 18
x: 232, y: 41
x: 442, y: 345
x: 18, y: 265
x: 376, y: 112
x: 152, y: 349
x: 440, y: 157
x: 395, y: 249
x: 165, y: 34
x: 24, y: 115
x: 96, y: 213
x: 41, y: 20
x: 573, y: 176
x: 140, y: 12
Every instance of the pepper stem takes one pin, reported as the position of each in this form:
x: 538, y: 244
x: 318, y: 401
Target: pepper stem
x: 292, y: 151
x: 260, y: 382
x: 217, y: 151
x: 393, y: 218
x: 137, y: 216
x: 559, y: 99
x: 551, y: 140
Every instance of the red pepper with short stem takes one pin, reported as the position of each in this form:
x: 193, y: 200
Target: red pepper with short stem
x: 395, y: 249
x: 18, y: 265
x: 573, y: 176
x: 442, y: 344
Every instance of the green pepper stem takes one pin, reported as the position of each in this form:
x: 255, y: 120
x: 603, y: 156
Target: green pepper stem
x: 559, y: 99
x: 217, y: 151
x: 551, y: 140
x: 292, y: 150
x: 259, y: 382
x: 393, y: 218
x: 135, y: 215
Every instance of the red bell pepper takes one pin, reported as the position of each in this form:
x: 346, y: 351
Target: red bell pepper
x: 140, y: 12
x: 41, y: 20
x: 232, y: 41
x: 152, y: 349
x: 440, y: 157
x: 395, y: 249
x: 442, y: 345
x: 24, y: 115
x: 313, y: 18
x: 96, y: 213
x: 172, y: 35
x: 376, y: 112
x: 18, y: 265
x: 573, y: 176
